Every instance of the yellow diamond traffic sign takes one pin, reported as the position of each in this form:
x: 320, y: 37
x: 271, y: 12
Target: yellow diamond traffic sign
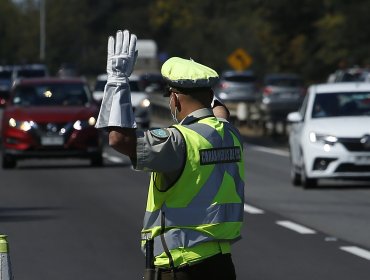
x: 239, y: 59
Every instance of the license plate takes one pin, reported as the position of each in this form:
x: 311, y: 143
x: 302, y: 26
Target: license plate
x: 52, y: 141
x: 360, y: 160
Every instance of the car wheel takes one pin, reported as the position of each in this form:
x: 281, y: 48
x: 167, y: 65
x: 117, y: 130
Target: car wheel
x: 294, y: 176
x: 96, y: 160
x: 8, y: 162
x: 307, y: 182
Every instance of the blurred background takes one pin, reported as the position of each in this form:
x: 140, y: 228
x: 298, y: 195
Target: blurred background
x: 72, y: 206
x: 310, y: 37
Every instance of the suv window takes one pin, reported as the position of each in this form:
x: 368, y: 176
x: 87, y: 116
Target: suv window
x: 284, y: 82
x: 5, y: 74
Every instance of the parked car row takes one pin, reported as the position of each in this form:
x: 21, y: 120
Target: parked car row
x: 272, y: 100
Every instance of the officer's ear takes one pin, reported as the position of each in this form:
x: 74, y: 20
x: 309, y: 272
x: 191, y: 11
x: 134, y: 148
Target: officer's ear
x: 177, y: 101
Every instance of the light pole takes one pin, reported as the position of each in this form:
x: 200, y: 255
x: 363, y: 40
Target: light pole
x: 42, y: 30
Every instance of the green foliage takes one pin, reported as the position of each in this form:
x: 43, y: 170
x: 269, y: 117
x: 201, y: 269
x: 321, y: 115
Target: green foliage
x: 309, y: 36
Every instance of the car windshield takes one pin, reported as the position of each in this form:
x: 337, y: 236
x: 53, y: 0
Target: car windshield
x: 341, y: 104
x: 51, y: 95
x: 5, y: 74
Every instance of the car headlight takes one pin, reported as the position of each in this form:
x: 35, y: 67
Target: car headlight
x: 21, y: 125
x: 327, y: 140
x: 145, y: 103
x: 78, y: 125
x: 323, y: 138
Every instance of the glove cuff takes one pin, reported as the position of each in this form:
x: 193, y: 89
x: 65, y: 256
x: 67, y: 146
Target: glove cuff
x: 116, y: 80
x: 116, y: 108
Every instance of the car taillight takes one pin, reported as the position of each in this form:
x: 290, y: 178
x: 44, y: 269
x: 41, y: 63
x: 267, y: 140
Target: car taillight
x: 223, y: 85
x: 267, y: 91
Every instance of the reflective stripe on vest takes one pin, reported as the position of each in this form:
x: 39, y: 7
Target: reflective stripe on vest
x: 226, y: 170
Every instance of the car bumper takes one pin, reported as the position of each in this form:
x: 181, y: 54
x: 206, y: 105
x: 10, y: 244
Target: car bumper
x: 80, y: 144
x: 18, y: 154
x: 336, y: 162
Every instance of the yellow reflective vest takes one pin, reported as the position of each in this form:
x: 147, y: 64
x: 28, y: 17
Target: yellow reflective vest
x: 205, y: 205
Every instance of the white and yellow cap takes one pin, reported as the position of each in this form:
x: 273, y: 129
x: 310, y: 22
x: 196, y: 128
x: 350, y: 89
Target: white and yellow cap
x: 184, y: 73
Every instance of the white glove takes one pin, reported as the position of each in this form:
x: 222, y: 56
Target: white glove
x: 116, y: 108
x: 121, y: 56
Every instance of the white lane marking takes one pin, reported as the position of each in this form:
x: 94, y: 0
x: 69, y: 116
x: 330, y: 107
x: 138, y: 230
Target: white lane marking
x: 270, y: 150
x: 252, y: 210
x: 112, y: 158
x: 296, y: 227
x: 357, y: 251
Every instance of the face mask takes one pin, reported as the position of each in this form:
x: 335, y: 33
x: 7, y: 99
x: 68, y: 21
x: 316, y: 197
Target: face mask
x: 174, y: 115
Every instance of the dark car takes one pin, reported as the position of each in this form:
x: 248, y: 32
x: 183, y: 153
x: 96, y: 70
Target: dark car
x: 237, y: 86
x: 282, y: 93
x: 29, y: 71
x: 5, y: 83
x: 50, y: 117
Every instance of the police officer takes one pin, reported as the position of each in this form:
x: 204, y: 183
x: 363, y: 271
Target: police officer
x: 195, y: 200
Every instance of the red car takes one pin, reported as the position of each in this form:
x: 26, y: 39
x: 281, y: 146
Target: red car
x: 50, y: 117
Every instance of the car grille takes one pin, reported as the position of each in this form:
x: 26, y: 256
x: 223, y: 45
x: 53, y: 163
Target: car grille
x: 354, y: 144
x: 51, y: 127
x: 349, y: 167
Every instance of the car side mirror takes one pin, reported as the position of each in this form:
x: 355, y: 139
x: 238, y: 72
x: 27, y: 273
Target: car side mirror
x: 294, y: 117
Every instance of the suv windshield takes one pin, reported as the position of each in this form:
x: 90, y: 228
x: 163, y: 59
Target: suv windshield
x: 341, y: 104
x: 284, y: 82
x: 51, y: 95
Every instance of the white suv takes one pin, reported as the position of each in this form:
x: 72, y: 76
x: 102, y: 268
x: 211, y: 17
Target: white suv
x: 330, y: 135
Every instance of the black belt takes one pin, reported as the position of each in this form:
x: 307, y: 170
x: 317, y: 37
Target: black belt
x: 194, y: 265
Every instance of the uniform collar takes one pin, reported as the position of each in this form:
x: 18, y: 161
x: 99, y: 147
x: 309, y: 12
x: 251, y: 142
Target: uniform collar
x: 198, y: 114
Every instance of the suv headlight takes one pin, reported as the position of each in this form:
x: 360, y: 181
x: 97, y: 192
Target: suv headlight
x: 78, y: 125
x: 22, y: 125
x: 145, y: 103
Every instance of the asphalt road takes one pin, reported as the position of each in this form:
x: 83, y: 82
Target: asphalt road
x: 66, y: 220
